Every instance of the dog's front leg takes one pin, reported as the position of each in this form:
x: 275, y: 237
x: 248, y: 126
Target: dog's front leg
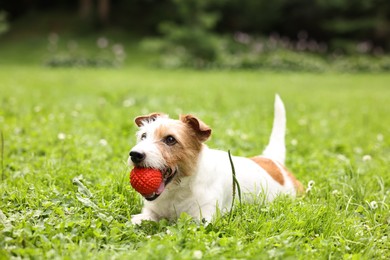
x: 146, y: 214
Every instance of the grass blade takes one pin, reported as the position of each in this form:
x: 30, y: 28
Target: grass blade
x: 235, y: 185
x: 2, y: 155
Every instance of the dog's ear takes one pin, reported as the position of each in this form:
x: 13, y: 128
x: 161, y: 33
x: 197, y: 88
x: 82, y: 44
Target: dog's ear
x: 201, y: 129
x: 141, y: 120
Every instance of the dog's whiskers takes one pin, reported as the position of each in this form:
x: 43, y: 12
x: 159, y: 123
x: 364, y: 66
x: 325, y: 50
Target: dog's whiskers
x: 177, y: 181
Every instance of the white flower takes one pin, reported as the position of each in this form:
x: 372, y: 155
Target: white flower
x: 128, y: 102
x: 74, y: 113
x: 366, y: 158
x: 118, y: 49
x: 358, y: 150
x: 302, y: 121
x: 310, y: 185
x: 53, y: 38
x: 198, y: 254
x: 242, y: 37
x: 18, y: 130
x: 244, y: 136
x: 373, y: 204
x: 294, y: 142
x: 230, y: 132
x: 61, y: 136
x: 103, y: 142
x: 102, y: 42
x: 119, y: 52
x: 379, y: 137
x: 335, y: 192
x: 342, y: 157
x: 37, y: 109
x: 72, y: 45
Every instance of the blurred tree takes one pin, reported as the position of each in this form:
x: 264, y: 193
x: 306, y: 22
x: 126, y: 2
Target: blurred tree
x: 86, y: 10
x: 192, y: 30
x: 321, y: 19
x: 357, y: 20
x: 3, y: 22
x: 324, y: 20
x: 250, y: 16
x: 103, y: 11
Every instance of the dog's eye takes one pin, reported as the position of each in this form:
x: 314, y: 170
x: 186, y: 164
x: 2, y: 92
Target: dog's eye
x: 170, y: 140
x: 143, y: 136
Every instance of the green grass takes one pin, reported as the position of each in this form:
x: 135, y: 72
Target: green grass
x: 67, y: 132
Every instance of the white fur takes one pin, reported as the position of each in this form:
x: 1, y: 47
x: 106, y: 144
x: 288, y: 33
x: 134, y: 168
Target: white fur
x: 210, y: 187
x: 147, y: 145
x: 276, y: 148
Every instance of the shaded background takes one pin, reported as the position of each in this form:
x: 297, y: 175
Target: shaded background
x: 328, y: 21
x: 219, y: 33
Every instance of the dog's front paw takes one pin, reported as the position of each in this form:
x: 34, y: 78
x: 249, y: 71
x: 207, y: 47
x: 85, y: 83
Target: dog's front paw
x: 137, y: 219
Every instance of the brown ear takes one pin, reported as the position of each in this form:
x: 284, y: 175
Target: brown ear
x: 141, y: 120
x: 201, y: 129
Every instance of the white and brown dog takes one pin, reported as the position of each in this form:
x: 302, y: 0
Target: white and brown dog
x: 197, y: 179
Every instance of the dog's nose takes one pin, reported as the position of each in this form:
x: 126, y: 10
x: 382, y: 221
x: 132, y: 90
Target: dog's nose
x: 137, y: 157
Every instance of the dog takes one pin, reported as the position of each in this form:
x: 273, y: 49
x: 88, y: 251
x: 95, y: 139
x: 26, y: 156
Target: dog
x: 197, y: 179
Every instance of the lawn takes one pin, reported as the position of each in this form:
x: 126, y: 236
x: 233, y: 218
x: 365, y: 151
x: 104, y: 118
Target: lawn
x: 64, y: 183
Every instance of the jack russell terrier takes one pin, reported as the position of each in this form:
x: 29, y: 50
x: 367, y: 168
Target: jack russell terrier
x: 198, y: 180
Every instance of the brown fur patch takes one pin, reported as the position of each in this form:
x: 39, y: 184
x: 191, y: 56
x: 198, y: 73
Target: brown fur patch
x: 297, y: 184
x: 202, y: 130
x: 140, y: 120
x: 271, y: 167
x: 184, y: 154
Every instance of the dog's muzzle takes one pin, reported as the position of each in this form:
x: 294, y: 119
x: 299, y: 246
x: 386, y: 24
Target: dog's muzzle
x: 137, y: 157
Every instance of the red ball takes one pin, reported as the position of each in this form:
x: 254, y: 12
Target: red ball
x: 145, y: 180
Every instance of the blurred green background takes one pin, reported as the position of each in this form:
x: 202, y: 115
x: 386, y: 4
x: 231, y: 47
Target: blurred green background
x: 342, y: 35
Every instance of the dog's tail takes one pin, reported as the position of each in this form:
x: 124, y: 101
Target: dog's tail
x: 276, y: 148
